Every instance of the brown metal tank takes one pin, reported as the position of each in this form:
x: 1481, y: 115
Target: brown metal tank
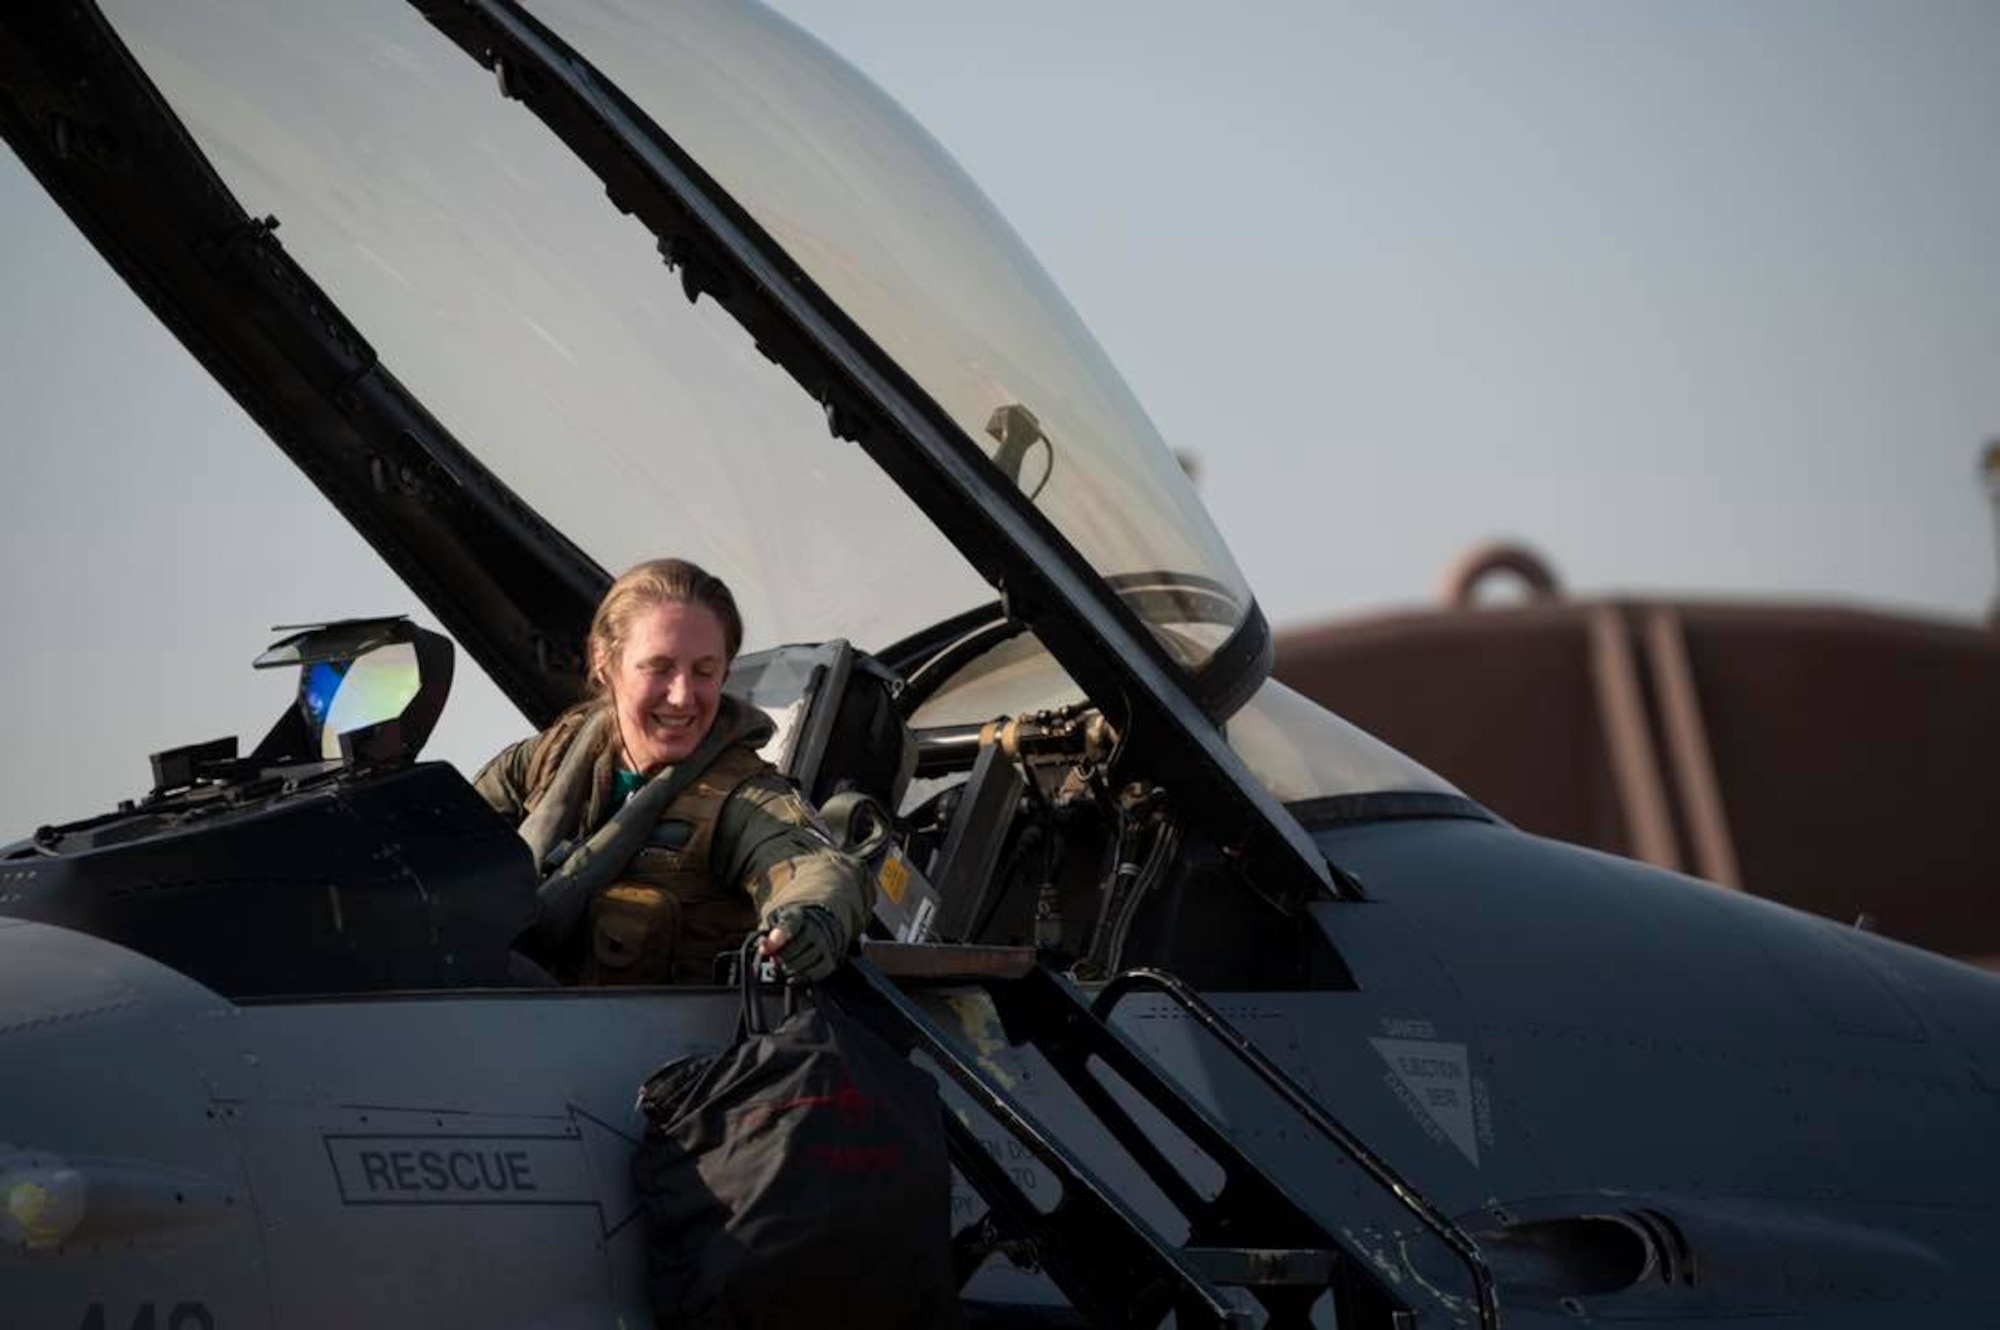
x: 1839, y: 760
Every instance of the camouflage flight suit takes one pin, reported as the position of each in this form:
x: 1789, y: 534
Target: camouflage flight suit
x: 733, y: 846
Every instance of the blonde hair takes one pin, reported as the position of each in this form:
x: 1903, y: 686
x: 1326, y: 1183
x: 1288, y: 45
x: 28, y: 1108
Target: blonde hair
x: 640, y: 588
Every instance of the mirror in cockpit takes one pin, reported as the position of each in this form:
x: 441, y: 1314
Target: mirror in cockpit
x: 370, y: 690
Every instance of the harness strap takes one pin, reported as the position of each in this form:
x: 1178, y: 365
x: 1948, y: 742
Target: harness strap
x: 565, y: 892
x: 557, y: 803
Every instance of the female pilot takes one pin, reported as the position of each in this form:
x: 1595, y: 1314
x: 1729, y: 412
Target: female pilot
x: 663, y: 836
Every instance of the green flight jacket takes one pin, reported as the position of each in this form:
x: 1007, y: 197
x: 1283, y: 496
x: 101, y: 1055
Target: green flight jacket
x: 735, y: 845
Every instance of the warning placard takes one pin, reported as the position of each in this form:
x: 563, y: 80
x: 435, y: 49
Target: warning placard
x: 1432, y: 1079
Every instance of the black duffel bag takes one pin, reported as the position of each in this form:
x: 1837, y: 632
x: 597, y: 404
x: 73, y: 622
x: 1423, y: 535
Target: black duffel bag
x: 797, y: 1178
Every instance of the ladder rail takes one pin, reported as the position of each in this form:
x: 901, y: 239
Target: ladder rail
x: 1251, y: 1209
x: 1152, y: 1276
x: 1275, y: 1077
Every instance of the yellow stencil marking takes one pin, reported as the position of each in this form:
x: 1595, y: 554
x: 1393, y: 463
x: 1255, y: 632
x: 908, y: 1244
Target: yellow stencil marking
x: 894, y: 878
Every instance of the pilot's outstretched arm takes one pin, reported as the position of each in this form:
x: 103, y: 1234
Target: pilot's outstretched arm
x: 771, y: 843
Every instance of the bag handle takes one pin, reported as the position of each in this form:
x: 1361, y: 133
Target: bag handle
x: 752, y: 1022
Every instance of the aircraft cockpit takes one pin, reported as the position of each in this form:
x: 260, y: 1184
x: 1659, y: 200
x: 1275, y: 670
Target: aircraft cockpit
x: 426, y: 300
x: 402, y: 229
x: 973, y: 774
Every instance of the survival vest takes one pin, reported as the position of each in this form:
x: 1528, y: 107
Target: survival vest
x: 660, y: 916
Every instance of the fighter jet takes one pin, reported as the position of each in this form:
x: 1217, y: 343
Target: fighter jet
x: 1244, y: 1017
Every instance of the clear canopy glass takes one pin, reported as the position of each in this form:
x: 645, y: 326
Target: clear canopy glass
x: 486, y: 266
x: 1296, y: 749
x: 882, y: 218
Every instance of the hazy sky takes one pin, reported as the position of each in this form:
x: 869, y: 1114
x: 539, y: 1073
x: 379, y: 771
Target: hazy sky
x: 1693, y: 296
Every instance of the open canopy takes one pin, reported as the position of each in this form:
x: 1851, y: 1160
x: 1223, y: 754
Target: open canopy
x: 479, y: 257
x: 421, y: 290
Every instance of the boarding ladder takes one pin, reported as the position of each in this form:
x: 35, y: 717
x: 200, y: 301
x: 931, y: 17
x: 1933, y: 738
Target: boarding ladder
x: 1115, y: 1268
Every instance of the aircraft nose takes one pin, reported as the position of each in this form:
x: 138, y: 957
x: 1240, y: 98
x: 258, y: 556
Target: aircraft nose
x: 110, y: 1143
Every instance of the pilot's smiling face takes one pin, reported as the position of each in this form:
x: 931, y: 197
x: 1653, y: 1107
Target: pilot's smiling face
x: 666, y: 683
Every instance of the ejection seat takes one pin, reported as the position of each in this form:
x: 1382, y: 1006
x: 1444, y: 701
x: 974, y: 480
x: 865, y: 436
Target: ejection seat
x: 835, y: 713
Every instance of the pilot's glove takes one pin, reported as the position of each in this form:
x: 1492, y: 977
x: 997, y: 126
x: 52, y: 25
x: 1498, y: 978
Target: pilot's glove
x: 812, y: 947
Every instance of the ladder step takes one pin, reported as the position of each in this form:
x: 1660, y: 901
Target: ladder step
x: 1265, y: 1267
